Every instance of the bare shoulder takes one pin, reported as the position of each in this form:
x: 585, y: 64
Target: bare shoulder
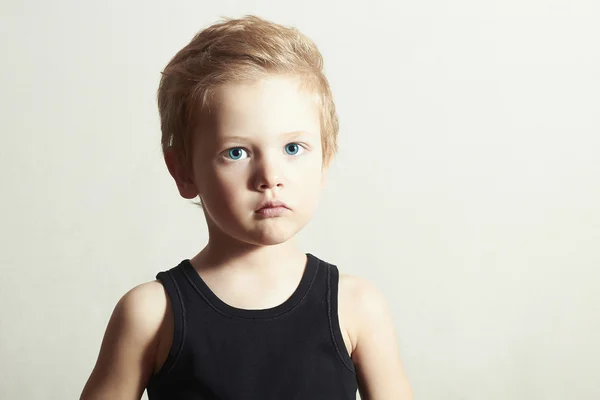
x: 361, y: 294
x: 128, y: 351
x: 151, y: 299
x: 146, y: 295
x: 143, y: 308
x: 375, y: 348
x: 355, y: 295
x: 354, y: 285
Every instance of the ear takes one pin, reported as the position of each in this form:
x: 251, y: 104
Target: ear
x: 183, y: 178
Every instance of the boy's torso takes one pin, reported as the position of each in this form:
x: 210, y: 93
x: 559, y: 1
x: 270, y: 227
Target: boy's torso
x: 346, y: 312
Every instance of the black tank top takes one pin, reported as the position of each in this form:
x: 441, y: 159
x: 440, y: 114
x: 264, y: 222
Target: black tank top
x: 294, y: 351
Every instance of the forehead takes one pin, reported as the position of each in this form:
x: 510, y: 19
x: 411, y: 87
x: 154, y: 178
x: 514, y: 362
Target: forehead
x: 269, y: 106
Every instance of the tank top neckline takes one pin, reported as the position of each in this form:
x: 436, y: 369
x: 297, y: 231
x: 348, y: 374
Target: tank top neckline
x: 301, y: 291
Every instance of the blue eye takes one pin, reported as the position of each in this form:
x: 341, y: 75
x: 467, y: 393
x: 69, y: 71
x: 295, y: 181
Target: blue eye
x: 292, y: 148
x: 236, y: 153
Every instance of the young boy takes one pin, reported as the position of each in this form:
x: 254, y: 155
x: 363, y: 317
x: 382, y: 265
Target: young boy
x: 249, y: 126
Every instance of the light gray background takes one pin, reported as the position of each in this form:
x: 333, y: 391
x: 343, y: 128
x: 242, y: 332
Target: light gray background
x: 467, y: 185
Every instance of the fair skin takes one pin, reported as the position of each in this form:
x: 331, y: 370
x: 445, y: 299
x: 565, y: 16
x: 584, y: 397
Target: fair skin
x: 260, y: 142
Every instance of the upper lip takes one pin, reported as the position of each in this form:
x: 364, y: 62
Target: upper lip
x: 271, y: 204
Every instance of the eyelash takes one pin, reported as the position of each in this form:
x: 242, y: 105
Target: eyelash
x: 226, y: 152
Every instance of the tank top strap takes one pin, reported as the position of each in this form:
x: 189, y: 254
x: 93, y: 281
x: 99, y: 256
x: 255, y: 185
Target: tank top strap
x: 333, y: 279
x: 169, y: 281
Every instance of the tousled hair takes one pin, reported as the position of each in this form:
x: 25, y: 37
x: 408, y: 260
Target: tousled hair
x: 238, y: 50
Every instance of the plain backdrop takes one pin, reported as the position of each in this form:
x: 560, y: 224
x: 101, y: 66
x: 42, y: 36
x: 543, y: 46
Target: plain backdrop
x: 467, y: 186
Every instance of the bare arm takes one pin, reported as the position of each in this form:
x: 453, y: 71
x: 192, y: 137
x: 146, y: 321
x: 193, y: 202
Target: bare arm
x: 127, y: 354
x: 376, y: 356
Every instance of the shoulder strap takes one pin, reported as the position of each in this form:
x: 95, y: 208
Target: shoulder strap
x: 169, y: 281
x: 334, y: 323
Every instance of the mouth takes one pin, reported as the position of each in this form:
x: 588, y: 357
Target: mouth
x: 272, y: 204
x: 272, y: 208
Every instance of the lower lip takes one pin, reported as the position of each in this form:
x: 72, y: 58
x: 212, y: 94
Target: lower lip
x: 271, y: 211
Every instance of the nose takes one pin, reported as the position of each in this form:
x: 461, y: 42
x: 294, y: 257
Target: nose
x: 267, y: 175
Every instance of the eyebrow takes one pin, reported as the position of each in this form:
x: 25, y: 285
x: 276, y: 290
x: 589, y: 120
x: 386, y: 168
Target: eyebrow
x: 284, y: 135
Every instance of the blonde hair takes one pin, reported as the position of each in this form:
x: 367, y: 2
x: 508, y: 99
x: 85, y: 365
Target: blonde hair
x: 235, y: 50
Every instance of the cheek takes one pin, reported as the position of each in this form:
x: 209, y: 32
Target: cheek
x: 308, y: 185
x: 232, y: 179
x: 226, y: 186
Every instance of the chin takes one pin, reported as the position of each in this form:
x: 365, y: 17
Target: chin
x: 271, y: 238
x: 270, y: 235
x: 266, y: 232
x: 271, y: 241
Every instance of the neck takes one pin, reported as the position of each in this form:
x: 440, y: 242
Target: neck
x: 226, y: 253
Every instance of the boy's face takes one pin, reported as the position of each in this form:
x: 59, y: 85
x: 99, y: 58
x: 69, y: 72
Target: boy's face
x: 260, y: 142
